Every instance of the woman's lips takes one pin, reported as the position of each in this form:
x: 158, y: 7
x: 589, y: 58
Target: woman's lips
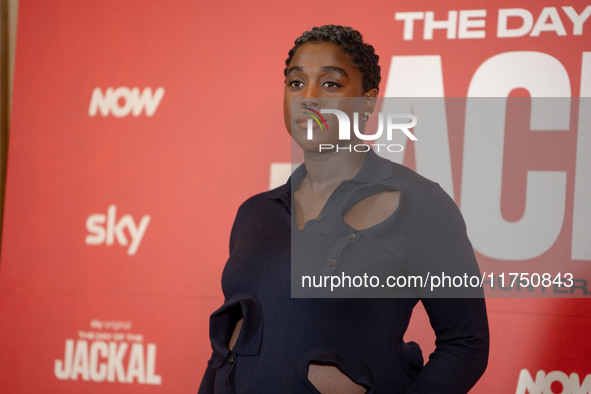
x: 303, y: 122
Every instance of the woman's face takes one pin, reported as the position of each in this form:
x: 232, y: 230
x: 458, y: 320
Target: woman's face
x: 320, y: 75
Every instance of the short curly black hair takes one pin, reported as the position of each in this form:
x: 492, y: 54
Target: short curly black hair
x: 351, y: 42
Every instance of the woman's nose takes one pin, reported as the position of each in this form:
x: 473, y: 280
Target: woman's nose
x: 311, y: 102
x: 312, y: 89
x: 311, y: 96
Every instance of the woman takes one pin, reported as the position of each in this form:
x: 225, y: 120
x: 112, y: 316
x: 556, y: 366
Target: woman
x: 265, y: 341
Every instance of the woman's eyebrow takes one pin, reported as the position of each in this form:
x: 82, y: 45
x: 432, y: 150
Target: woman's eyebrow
x: 294, y: 68
x: 335, y: 69
x: 323, y: 69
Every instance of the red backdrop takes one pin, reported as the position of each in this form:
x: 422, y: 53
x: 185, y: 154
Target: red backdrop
x: 138, y: 128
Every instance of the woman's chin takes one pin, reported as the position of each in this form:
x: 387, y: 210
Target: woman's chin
x: 310, y: 146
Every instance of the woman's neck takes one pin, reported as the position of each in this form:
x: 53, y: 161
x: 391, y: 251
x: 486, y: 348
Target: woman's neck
x: 330, y: 168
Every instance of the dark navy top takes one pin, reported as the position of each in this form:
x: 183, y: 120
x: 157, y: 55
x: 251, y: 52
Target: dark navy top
x: 363, y: 337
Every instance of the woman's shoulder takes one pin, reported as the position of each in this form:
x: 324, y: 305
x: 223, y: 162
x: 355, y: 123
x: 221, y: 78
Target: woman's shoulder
x: 262, y: 215
x: 424, y: 192
x: 411, y: 178
x: 270, y: 205
x: 426, y: 197
x: 267, y: 198
x: 380, y: 169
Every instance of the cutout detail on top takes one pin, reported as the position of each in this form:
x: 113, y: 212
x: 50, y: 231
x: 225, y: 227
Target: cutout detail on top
x: 372, y: 210
x: 235, y: 334
x: 329, y: 379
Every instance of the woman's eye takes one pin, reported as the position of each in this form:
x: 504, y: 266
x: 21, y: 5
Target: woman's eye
x: 331, y: 84
x: 296, y: 84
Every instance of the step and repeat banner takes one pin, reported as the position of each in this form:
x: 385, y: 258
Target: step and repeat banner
x: 138, y: 128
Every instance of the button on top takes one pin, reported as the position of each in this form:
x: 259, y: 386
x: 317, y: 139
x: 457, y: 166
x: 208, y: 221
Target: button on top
x: 352, y: 236
x: 332, y: 262
x: 231, y: 360
x: 318, y: 218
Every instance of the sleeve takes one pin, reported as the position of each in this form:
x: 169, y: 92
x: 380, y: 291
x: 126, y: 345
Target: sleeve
x: 207, y: 385
x: 462, y: 346
x: 208, y: 381
x: 441, y: 248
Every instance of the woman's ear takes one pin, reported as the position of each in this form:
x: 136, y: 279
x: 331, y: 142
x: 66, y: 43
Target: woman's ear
x: 370, y: 100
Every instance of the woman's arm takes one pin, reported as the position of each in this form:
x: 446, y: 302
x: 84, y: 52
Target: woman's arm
x: 462, y: 346
x: 440, y: 247
x: 208, y: 382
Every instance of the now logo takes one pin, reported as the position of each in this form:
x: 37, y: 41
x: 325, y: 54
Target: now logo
x: 106, y: 229
x: 553, y: 382
x: 122, y: 101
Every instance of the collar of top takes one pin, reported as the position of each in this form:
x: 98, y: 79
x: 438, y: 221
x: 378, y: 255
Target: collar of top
x: 373, y: 170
